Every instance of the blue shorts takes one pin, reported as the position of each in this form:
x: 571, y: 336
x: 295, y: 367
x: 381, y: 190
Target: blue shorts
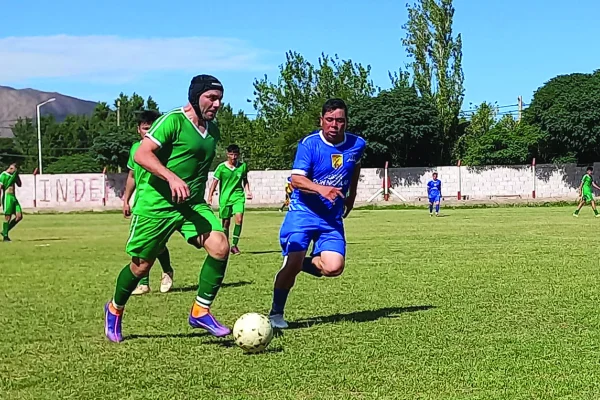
x: 434, y: 199
x: 297, y: 231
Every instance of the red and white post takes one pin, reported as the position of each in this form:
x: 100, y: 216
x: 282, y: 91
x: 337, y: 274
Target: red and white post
x: 386, y: 184
x: 533, y: 172
x: 386, y: 187
x: 104, y: 187
x: 459, y: 182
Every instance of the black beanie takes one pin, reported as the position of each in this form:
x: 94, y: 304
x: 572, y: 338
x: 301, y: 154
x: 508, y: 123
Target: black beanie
x: 199, y: 85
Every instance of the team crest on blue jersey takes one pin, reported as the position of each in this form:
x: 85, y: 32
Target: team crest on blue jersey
x: 337, y: 160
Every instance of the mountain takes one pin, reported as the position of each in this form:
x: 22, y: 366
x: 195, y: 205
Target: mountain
x: 15, y: 103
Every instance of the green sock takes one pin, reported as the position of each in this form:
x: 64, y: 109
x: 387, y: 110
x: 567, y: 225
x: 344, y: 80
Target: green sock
x: 145, y: 281
x: 126, y: 283
x: 236, y: 234
x: 596, y: 211
x: 576, y: 212
x: 211, y: 277
x: 165, y: 261
x: 5, y: 228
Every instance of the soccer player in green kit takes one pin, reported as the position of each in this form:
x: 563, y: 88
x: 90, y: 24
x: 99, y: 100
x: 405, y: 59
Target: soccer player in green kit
x: 178, y: 152
x: 586, y: 192
x: 10, y: 204
x: 234, y: 188
x: 145, y: 121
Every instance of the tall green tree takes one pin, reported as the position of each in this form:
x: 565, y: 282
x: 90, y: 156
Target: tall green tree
x: 437, y: 63
x: 399, y: 127
x: 489, y: 141
x: 289, y: 108
x: 567, y: 108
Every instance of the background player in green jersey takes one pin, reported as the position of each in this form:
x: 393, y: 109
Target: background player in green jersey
x: 586, y: 192
x: 234, y: 188
x: 178, y: 152
x: 145, y: 121
x: 10, y: 204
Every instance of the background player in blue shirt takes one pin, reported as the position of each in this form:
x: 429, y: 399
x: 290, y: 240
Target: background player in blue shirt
x: 434, y: 192
x: 326, y: 167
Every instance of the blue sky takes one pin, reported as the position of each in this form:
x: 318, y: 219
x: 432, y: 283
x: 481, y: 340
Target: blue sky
x: 96, y: 50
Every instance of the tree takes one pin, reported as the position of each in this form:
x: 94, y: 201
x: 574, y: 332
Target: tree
x: 74, y: 164
x: 504, y: 142
x: 25, y: 142
x: 290, y: 108
x: 567, y: 108
x: 399, y: 127
x: 9, y: 153
x: 437, y: 66
x: 111, y: 148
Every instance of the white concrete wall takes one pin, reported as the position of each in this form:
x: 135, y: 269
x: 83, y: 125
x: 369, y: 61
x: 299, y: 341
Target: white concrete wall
x: 85, y: 191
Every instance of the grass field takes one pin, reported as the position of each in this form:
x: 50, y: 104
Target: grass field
x: 480, y: 304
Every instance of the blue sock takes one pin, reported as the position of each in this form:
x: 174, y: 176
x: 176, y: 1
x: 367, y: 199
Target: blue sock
x: 430, y: 208
x: 279, y: 298
x: 309, y: 267
x: 437, y: 208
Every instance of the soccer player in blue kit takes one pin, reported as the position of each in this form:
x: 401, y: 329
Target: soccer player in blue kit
x: 325, y: 176
x: 434, y: 192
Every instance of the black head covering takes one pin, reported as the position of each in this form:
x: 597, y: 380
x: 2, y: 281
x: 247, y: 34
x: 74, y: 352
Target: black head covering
x: 199, y: 85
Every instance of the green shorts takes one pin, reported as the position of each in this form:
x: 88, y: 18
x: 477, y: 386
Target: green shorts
x: 231, y: 208
x: 588, y: 197
x: 11, y: 205
x: 148, y: 236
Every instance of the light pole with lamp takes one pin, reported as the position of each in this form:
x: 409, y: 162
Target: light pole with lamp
x: 39, y: 131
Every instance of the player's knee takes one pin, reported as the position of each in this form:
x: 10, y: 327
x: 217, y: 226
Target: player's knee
x: 238, y: 219
x: 332, y: 269
x: 332, y: 265
x: 217, y: 245
x: 18, y: 217
x: 141, y: 267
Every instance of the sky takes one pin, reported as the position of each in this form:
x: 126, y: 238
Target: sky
x: 97, y: 50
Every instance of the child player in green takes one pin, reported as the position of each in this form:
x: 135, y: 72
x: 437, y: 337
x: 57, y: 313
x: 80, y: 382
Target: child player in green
x: 10, y: 204
x: 586, y: 192
x: 145, y: 121
x: 234, y: 188
x: 177, y: 152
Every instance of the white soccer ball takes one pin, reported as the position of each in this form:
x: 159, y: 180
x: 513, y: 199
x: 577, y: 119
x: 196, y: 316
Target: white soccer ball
x: 252, y: 332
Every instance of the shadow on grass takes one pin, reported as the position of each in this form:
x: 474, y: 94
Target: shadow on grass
x: 167, y: 335
x: 358, y: 316
x: 263, y: 252
x: 44, y: 239
x: 225, y: 285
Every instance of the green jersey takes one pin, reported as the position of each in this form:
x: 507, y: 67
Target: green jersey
x: 586, y: 184
x: 186, y: 152
x: 7, y: 179
x: 231, y: 182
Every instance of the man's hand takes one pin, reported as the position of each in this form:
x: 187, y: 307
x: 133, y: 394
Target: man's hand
x: 179, y: 189
x: 126, y: 210
x: 330, y: 193
x: 249, y: 195
x: 349, y: 205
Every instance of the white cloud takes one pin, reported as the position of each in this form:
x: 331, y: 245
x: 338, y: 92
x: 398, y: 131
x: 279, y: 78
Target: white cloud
x: 118, y: 59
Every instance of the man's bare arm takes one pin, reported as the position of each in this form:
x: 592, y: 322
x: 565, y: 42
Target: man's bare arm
x: 306, y: 185
x: 354, y: 181
x: 129, y: 187
x: 146, y: 158
x: 211, y: 190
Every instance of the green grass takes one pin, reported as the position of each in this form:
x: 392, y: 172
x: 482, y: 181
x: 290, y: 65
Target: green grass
x: 482, y: 304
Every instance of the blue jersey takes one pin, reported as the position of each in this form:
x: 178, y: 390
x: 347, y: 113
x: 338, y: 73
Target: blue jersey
x: 434, y: 188
x: 329, y: 165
